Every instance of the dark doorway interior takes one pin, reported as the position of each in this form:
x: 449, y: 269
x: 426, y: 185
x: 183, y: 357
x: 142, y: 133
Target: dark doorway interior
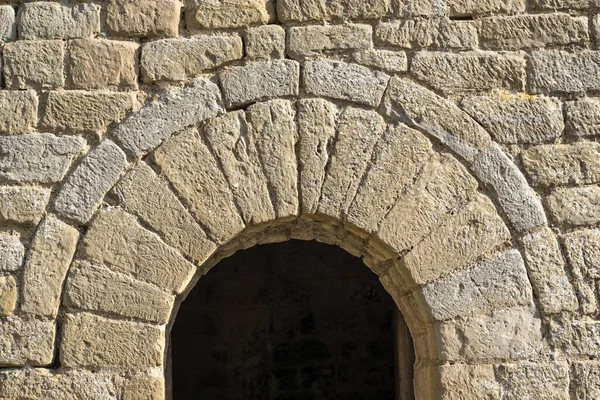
x: 291, y: 321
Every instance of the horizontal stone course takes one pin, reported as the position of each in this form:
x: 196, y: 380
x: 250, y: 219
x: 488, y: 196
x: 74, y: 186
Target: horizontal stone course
x: 563, y: 72
x: 143, y: 18
x: 25, y: 340
x: 575, y: 206
x: 18, y: 111
x: 321, y: 10
x: 50, y: 20
x: 23, y: 205
x: 215, y: 14
x: 306, y: 41
x: 35, y: 64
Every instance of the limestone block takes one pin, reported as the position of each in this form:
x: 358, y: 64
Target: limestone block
x: 92, y: 179
x: 344, y: 81
x: 358, y: 132
x: 582, y: 338
x: 190, y: 167
x: 272, y: 128
x: 216, y: 14
x: 386, y: 60
x: 143, y: 193
x: 8, y: 28
x: 532, y: 31
x: 100, y: 64
x: 397, y: 159
x: 23, y: 204
x: 306, y: 41
x: 513, y: 119
x: 11, y: 253
x: 117, y: 240
x: 145, y: 18
x: 583, y: 117
x: 552, y: 5
x: 81, y: 111
x: 322, y: 10
x: 520, y: 203
x: 585, y: 380
x: 95, y: 288
x: 427, y: 33
x: 546, y: 268
x: 18, y: 111
x: 182, y: 59
x: 534, y: 380
x: 41, y: 158
x: 583, y: 252
x: 454, y: 73
x: 575, y: 206
x: 92, y: 341
x: 146, y: 387
x: 265, y: 42
x: 8, y: 295
x: 459, y: 8
x: 260, y: 81
x: 553, y: 165
x: 457, y: 382
x: 26, y: 341
x: 50, y: 20
x: 37, y: 64
x: 472, y: 232
x: 560, y: 71
x: 437, y: 116
x: 170, y: 113
x: 235, y: 149
x: 48, y: 260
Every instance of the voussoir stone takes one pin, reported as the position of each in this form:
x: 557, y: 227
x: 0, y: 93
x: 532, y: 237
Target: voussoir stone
x: 8, y: 295
x: 145, y: 18
x: 116, y: 239
x: 146, y: 129
x: 458, y: 8
x: 561, y: 71
x: 11, y: 253
x: 26, y: 340
x: 8, y: 28
x: 575, y: 206
x: 50, y: 20
x: 182, y: 59
x: 23, y: 204
x: 260, y: 81
x: 18, y: 111
x: 306, y: 41
x: 386, y: 60
x: 265, y: 42
x: 215, y: 14
x: 322, y: 10
x: 40, y: 158
x: 92, y: 179
x: 344, y: 81
x: 37, y: 64
x: 535, y: 380
x: 583, y: 117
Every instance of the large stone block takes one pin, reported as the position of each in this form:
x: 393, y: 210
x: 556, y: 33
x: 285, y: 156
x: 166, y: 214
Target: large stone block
x: 322, y: 10
x: 37, y: 64
x: 306, y: 41
x: 26, y: 341
x: 457, y: 382
x: 564, y: 72
x: 435, y: 33
x: 8, y: 295
x: 18, y: 111
x: 143, y: 18
x: 539, y: 380
x: 11, y: 253
x: 50, y: 20
x: 265, y: 42
x: 583, y: 252
x: 216, y: 14
x: 575, y: 206
x: 459, y: 8
x: 386, y: 60
x: 8, y: 28
x: 583, y: 117
x: 23, y: 204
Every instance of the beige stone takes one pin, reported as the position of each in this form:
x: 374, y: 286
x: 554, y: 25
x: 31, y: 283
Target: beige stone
x: 457, y: 382
x: 11, y: 253
x: 386, y: 60
x: 585, y: 380
x: 146, y: 387
x: 217, y: 14
x: 583, y: 252
x: 23, y: 204
x: 18, y: 111
x: 25, y: 340
x: 583, y: 117
x: 8, y: 295
x: 8, y: 30
x: 50, y: 20
x: 265, y: 42
x: 143, y: 18
x: 476, y: 7
x: 321, y: 10
x: 36, y: 64
x: 563, y: 72
x: 306, y: 41
x: 427, y: 33
x: 575, y: 206
x: 544, y: 381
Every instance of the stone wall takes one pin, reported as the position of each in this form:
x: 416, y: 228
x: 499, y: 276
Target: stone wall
x: 452, y: 144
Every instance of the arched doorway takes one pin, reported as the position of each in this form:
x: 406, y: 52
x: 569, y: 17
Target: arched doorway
x: 294, y: 320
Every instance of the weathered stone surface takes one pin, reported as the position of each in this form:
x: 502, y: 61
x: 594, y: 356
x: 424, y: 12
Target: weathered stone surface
x: 520, y: 203
x: 344, y: 81
x: 18, y: 111
x: 560, y: 4
x: 397, y: 159
x: 265, y: 42
x: 96, y: 288
x: 583, y: 252
x: 188, y: 164
x: 42, y: 158
x: 47, y: 263
x: 99, y: 64
x: 145, y: 387
x: 8, y: 295
x: 532, y: 31
x: 435, y: 33
x: 358, y: 132
x: 235, y: 149
x: 515, y: 119
x: 386, y: 60
x: 11, y: 253
x: 306, y: 41
x: 583, y: 117
x: 454, y: 73
x: 23, y: 204
x: 459, y: 8
x: 272, y: 127
x: 26, y: 341
x: 92, y: 341
x: 49, y: 20
x: 211, y: 14
x: 585, y: 380
x: 81, y: 111
x: 143, y: 193
x: 560, y: 71
x: 8, y: 28
x: 472, y: 232
x: 145, y: 18
x: 321, y: 10
x: 575, y: 206
x: 546, y: 268
x: 436, y: 115
x: 170, y: 113
x: 117, y: 240
x: 578, y: 338
x: 88, y: 184
x: 260, y: 81
x: 37, y: 64
x: 534, y: 380
x: 182, y: 59
x: 457, y: 382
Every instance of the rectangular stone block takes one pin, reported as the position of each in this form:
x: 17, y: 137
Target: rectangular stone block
x: 322, y: 10
x: 583, y: 252
x: 552, y: 5
x: 576, y: 206
x: 265, y: 42
x: 36, y: 64
x: 457, y: 382
x: 23, y: 204
x: 427, y: 33
x: 385, y: 60
x: 460, y: 8
x: 537, y: 380
x: 8, y: 295
x: 143, y: 18
x: 8, y: 28
x: 11, y: 253
x: 50, y: 20
x: 26, y: 341
x: 216, y: 14
x: 306, y: 41
x: 583, y: 117
x: 564, y: 72
x: 18, y: 111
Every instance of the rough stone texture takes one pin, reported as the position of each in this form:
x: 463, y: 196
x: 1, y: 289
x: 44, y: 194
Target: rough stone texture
x: 8, y: 28
x: 49, y: 20
x: 428, y: 33
x: 23, y: 204
x: 578, y: 338
x: 37, y: 64
x: 99, y: 64
x: 265, y: 42
x: 583, y: 254
x: 150, y: 387
x: 457, y: 382
x: 260, y: 81
x: 532, y: 380
x: 11, y: 253
x: 233, y: 13
x: 145, y: 18
x: 344, y: 81
x: 47, y: 263
x: 41, y: 158
x: 88, y: 184
x: 170, y: 113
x: 81, y: 111
x: 561, y: 4
x: 575, y: 206
x: 92, y: 341
x: 386, y: 60
x: 26, y: 341
x: 8, y: 295
x: 470, y: 71
x: 459, y: 8
x: 585, y: 380
x: 182, y: 59
x: 559, y: 71
x: 512, y: 119
x: 306, y: 41
x: 583, y: 117
x: 18, y: 111
x: 117, y: 240
x: 321, y: 10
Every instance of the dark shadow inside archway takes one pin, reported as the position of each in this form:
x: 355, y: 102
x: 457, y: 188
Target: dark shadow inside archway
x: 290, y: 321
